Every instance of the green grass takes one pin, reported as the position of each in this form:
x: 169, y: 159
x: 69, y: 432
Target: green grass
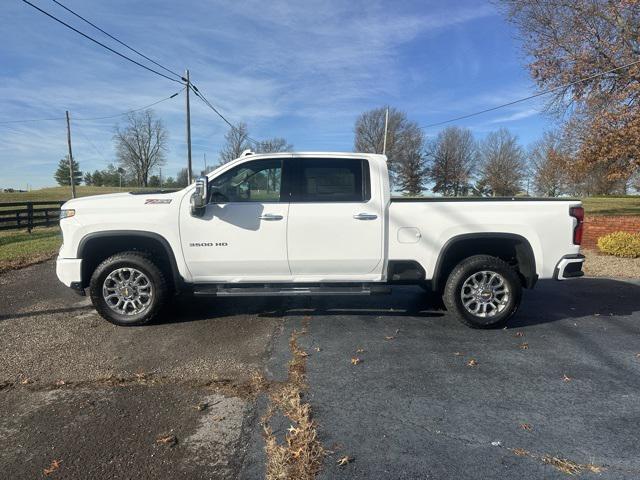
x: 612, y: 205
x: 62, y: 193
x: 20, y: 248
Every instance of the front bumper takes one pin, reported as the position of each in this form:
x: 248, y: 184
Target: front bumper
x: 69, y: 271
x: 569, y: 266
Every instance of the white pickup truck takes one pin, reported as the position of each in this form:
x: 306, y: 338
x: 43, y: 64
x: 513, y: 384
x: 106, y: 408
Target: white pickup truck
x: 312, y: 224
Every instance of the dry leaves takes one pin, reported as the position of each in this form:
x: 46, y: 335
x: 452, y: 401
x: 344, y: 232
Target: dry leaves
x: 60, y: 383
x: 519, y: 334
x: 360, y: 350
x: 526, y: 426
x: 55, y: 465
x: 167, y: 439
x: 389, y: 337
x: 202, y: 406
x: 523, y: 346
x: 342, y: 461
x: 472, y: 363
x: 318, y: 349
x: 355, y: 360
x: 566, y: 378
x: 562, y: 464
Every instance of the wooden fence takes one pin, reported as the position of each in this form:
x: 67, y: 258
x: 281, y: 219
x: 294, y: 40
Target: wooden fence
x: 28, y: 215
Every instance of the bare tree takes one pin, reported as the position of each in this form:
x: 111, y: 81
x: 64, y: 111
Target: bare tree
x: 411, y: 169
x: 141, y: 145
x: 405, y: 141
x: 273, y: 145
x: 236, y: 142
x: 453, y: 158
x: 502, y: 163
x: 549, y: 161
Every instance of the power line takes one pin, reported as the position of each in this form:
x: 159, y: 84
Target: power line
x: 100, y: 43
x: 201, y: 96
x: 96, y: 118
x: 131, y: 111
x: 539, y: 94
x: 117, y: 40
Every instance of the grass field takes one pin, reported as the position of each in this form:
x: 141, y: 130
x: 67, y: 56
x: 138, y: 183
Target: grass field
x: 21, y: 248
x: 61, y: 193
x: 612, y: 205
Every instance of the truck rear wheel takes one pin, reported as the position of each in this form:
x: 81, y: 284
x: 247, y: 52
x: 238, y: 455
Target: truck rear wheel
x: 483, y: 292
x: 128, y: 289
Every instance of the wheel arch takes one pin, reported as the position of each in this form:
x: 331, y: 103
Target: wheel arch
x: 510, y: 247
x: 97, y: 246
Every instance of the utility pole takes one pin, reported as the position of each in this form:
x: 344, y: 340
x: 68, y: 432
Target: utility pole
x: 186, y: 79
x: 73, y: 183
x: 160, y: 176
x: 386, y: 124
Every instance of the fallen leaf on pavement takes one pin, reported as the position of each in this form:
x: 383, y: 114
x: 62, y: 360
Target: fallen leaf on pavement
x: 360, y: 350
x: 60, y: 383
x: 302, y: 353
x: 389, y: 337
x: 519, y: 334
x: 458, y: 354
x: 55, y: 465
x: 202, y: 406
x: 342, y: 461
x: 26, y: 381
x: 566, y: 378
x: 472, y: 363
x: 355, y: 360
x: 318, y: 349
x: 521, y: 452
x: 218, y: 418
x: 169, y: 440
x: 526, y: 426
x: 523, y: 346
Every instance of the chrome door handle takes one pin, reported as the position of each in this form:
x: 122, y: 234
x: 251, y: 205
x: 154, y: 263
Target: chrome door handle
x: 270, y: 216
x: 365, y: 216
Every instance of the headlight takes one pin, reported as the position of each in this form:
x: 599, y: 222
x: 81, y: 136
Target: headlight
x: 67, y: 213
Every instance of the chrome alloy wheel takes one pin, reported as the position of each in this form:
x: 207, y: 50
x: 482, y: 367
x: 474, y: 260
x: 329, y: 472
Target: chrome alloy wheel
x: 127, y: 291
x: 485, y: 294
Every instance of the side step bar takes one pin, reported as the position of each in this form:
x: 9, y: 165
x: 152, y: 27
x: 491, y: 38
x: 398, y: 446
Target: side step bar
x: 222, y: 290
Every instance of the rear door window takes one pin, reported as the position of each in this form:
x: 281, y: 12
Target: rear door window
x: 330, y: 180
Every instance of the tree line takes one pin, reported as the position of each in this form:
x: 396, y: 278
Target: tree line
x: 593, y: 148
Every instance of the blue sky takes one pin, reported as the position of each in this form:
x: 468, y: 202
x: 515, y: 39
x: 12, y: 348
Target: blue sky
x: 301, y: 70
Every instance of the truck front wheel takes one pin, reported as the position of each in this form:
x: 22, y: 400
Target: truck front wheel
x: 483, y: 292
x: 128, y: 289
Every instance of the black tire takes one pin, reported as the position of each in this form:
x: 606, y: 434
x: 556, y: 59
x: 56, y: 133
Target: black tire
x: 452, y: 295
x: 141, y: 262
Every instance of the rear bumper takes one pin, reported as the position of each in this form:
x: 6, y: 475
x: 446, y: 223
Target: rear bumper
x: 569, y: 266
x: 69, y: 271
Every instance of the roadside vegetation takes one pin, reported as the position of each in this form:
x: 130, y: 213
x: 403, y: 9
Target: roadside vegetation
x: 21, y: 248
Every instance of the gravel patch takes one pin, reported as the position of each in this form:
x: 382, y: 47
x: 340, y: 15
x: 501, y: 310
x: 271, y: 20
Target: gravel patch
x: 599, y: 265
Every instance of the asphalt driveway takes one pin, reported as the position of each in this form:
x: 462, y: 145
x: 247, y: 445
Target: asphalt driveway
x: 426, y: 398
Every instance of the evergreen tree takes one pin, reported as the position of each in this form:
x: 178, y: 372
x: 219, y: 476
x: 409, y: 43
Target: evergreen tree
x: 62, y: 173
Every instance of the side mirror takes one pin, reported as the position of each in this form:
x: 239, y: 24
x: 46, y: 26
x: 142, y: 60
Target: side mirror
x: 199, y: 197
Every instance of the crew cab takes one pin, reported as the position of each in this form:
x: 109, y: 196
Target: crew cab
x: 312, y: 224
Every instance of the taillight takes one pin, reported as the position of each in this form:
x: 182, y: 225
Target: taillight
x: 578, y: 214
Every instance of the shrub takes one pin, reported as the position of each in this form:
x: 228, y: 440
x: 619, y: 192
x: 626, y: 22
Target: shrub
x: 620, y: 244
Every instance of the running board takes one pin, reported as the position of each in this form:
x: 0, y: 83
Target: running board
x: 221, y: 290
